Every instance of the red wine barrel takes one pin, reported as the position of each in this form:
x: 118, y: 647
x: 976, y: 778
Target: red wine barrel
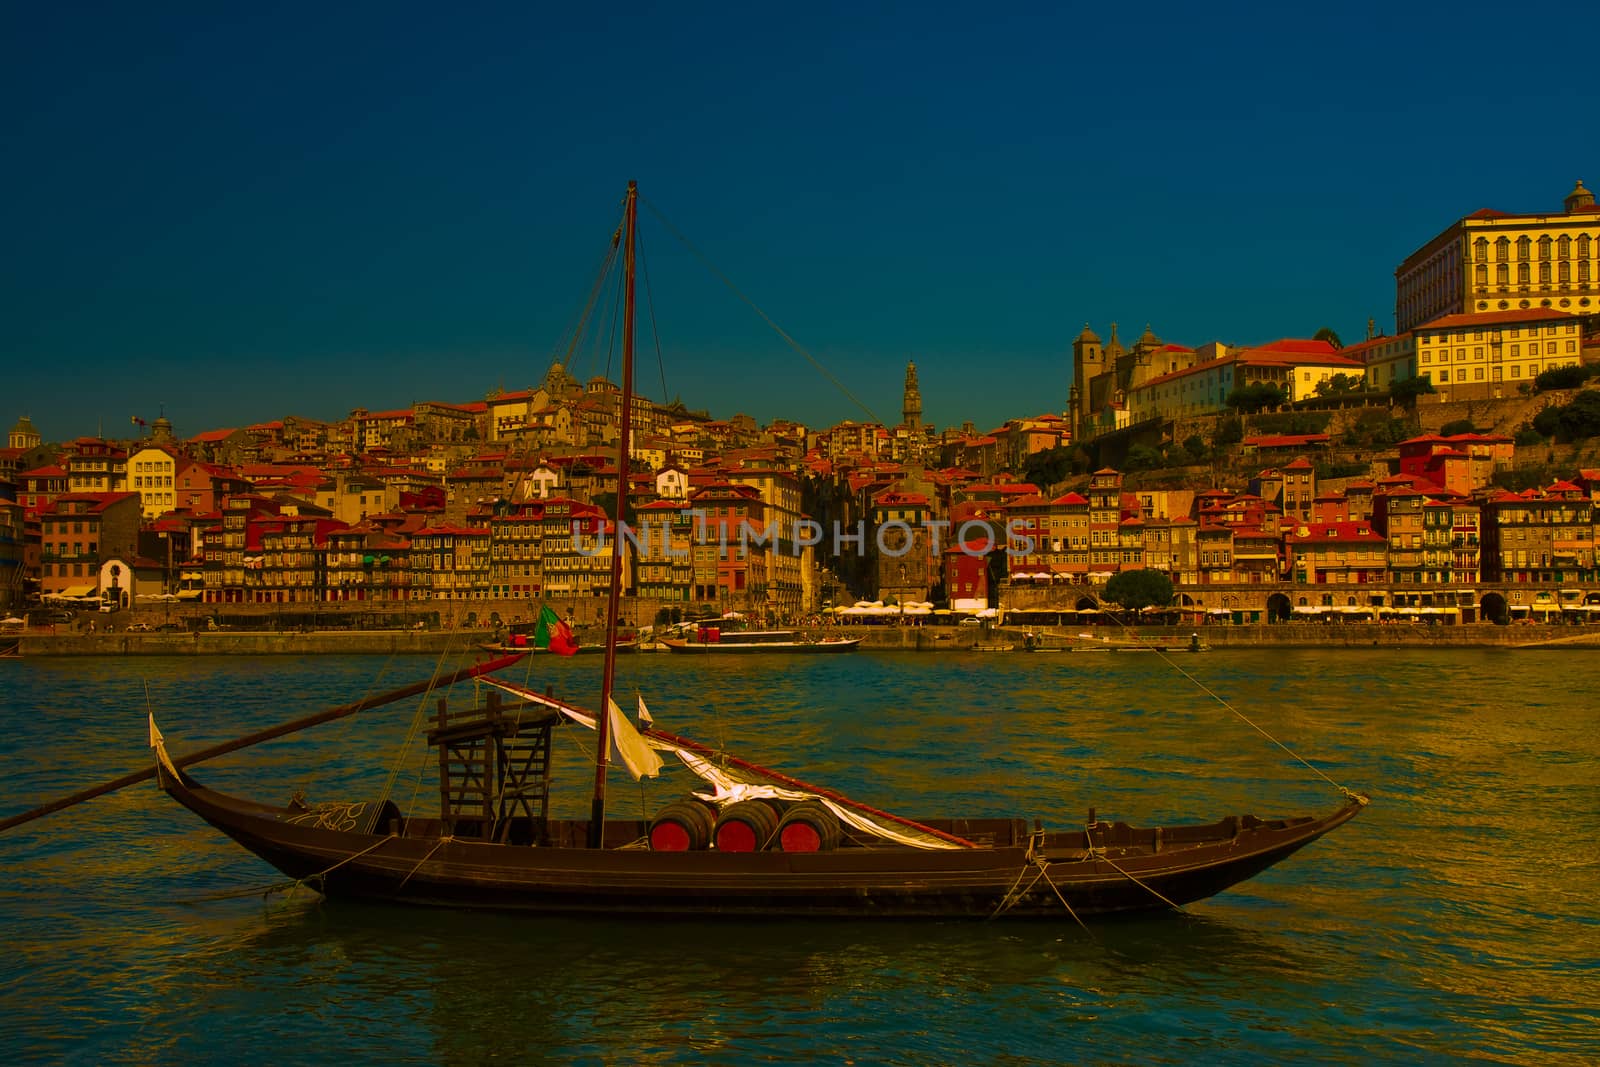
x: 808, y: 827
x: 682, y: 826
x: 746, y: 826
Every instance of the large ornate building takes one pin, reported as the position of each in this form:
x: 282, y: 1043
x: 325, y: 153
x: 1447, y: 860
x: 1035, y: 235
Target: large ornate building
x: 1103, y: 376
x: 1494, y: 261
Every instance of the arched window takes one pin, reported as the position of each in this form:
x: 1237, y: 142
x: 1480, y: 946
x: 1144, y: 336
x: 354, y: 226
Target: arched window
x: 1502, y: 274
x: 1502, y: 249
x: 1583, y: 246
x: 1523, y: 245
x: 1481, y: 273
x: 1544, y: 272
x: 1544, y: 247
x: 1480, y: 249
x: 1564, y: 247
x: 1522, y: 274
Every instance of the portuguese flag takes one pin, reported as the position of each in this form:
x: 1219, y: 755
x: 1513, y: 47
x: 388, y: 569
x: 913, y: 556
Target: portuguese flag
x: 550, y: 632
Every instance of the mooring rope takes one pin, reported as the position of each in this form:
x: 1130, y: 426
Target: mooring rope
x: 1100, y: 853
x: 437, y: 845
x: 320, y: 877
x: 1013, y: 896
x: 1349, y: 794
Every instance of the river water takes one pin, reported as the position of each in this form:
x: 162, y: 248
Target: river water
x: 1456, y: 918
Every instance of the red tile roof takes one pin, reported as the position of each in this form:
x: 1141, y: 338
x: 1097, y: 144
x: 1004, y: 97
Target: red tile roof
x: 1490, y: 318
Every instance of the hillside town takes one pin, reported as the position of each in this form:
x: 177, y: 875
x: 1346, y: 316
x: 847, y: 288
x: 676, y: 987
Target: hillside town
x: 1158, y: 458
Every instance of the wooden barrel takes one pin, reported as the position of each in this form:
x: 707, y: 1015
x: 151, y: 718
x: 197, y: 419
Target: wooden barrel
x: 746, y: 826
x: 682, y: 826
x: 809, y: 826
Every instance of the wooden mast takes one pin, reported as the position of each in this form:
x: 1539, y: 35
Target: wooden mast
x: 597, y: 812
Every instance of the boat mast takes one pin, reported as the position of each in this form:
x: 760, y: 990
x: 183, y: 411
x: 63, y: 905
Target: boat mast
x: 597, y: 813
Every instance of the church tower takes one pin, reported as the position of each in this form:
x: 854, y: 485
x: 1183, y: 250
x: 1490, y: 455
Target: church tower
x: 1580, y: 199
x: 23, y: 435
x: 1088, y: 360
x: 911, y: 407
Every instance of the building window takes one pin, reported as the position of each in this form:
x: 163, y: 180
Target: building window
x: 1523, y: 246
x: 1522, y: 274
x: 1477, y: 373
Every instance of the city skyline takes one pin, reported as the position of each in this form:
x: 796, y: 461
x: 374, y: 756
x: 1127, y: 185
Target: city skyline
x: 237, y: 216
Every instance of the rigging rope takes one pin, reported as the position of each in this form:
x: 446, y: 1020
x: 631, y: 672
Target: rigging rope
x: 411, y: 736
x: 650, y: 306
x: 753, y: 306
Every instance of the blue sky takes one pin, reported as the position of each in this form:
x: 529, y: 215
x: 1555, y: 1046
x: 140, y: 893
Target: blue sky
x: 246, y: 211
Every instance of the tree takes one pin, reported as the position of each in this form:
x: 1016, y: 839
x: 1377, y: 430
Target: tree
x: 1140, y: 589
x: 1404, y: 391
x: 1327, y: 334
x: 1195, y: 446
x: 1255, y: 396
x: 1141, y: 458
x: 1048, y: 466
x: 1459, y: 426
x: 1375, y: 428
x: 1581, y: 418
x: 1562, y: 377
x: 1341, y: 385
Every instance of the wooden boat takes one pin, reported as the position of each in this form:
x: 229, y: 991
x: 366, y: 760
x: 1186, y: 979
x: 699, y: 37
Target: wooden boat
x: 750, y: 842
x: 785, y: 849
x: 502, y: 648
x: 710, y: 640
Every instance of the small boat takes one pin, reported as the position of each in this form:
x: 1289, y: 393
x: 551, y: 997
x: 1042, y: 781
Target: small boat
x: 747, y: 842
x: 711, y: 640
x: 501, y: 648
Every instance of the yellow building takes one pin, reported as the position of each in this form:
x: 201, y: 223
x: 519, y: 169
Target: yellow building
x: 1494, y: 261
x: 1293, y: 365
x: 1386, y: 360
x: 1479, y: 357
x: 152, y: 473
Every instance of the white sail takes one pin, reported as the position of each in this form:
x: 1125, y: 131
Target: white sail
x: 631, y: 748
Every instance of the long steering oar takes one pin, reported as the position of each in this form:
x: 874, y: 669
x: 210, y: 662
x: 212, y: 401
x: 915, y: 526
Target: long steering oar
x: 214, y: 751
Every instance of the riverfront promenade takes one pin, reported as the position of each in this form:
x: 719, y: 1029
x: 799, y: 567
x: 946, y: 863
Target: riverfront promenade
x: 875, y: 639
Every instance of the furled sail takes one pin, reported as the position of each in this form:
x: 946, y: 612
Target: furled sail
x: 733, y: 783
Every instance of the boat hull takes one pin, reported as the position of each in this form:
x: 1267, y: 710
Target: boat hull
x: 734, y: 647
x: 1070, y: 875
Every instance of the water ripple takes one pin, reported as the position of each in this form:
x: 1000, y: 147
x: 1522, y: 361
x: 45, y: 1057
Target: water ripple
x: 1455, y: 919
